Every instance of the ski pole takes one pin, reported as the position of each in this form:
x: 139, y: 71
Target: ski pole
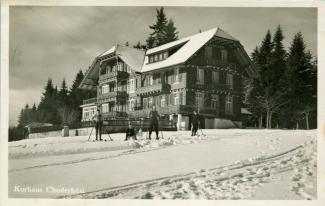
x: 110, y: 137
x: 90, y: 133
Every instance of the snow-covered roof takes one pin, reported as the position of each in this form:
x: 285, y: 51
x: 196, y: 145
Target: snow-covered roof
x: 191, y: 45
x: 138, y: 59
x: 131, y: 56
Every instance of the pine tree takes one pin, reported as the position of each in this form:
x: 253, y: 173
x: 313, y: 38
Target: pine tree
x: 300, y: 77
x: 278, y: 58
x: 150, y: 42
x: 277, y: 69
x: 265, y: 94
x: 47, y: 108
x: 63, y: 94
x: 140, y: 46
x: 77, y: 96
x: 157, y: 37
x: 170, y: 32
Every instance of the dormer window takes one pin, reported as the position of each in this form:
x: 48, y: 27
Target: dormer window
x: 158, y: 57
x: 165, y: 55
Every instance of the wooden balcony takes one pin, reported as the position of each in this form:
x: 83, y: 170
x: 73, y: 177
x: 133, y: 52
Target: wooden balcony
x: 156, y: 88
x: 89, y: 101
x: 179, y: 85
x: 218, y: 86
x: 115, y: 114
x: 219, y: 63
x: 113, y: 75
x: 113, y: 96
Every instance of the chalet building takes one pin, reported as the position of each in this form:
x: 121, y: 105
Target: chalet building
x: 203, y: 72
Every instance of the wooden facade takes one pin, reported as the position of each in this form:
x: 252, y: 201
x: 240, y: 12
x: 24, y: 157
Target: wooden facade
x: 210, y: 82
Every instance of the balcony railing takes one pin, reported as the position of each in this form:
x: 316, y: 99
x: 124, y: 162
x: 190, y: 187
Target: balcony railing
x: 117, y: 94
x: 154, y: 88
x: 219, y: 63
x: 214, y: 85
x: 115, y: 114
x: 116, y: 74
x: 90, y: 101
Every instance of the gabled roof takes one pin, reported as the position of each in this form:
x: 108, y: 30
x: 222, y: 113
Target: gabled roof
x: 191, y: 45
x: 138, y: 59
x: 131, y: 56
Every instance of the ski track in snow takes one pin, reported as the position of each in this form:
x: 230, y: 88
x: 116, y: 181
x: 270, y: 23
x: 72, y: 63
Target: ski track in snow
x: 238, y: 180
x: 235, y: 181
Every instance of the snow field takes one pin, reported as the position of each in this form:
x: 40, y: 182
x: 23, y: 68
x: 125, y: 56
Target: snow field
x: 247, y: 165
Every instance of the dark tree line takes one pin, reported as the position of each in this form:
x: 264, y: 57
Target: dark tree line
x: 57, y: 106
x: 284, y: 92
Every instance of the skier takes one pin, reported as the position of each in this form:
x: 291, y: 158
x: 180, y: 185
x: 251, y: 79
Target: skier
x: 130, y: 133
x: 195, y: 123
x: 98, y: 121
x: 153, y: 118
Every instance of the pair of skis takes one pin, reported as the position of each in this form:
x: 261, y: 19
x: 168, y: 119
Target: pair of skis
x: 105, y: 140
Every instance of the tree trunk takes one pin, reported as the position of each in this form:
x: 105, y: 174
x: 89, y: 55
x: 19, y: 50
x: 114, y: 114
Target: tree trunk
x: 307, y: 120
x: 270, y: 120
x: 267, y: 118
x: 260, y: 121
x: 297, y: 125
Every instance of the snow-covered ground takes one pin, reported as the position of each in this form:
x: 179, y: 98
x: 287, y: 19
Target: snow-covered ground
x: 221, y: 164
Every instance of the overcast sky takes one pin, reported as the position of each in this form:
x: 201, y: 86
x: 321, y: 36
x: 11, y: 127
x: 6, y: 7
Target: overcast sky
x: 55, y: 42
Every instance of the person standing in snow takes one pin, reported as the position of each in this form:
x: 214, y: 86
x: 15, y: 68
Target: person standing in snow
x: 98, y: 121
x: 153, y: 118
x: 195, y: 123
x: 130, y: 132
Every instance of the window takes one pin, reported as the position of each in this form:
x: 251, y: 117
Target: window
x: 150, y: 80
x: 200, y: 76
x: 176, y: 98
x: 158, y: 78
x: 176, y: 73
x: 145, y: 103
x: 215, y: 77
x: 111, y: 107
x: 155, y: 57
x: 215, y: 101
x: 132, y: 86
x: 88, y: 113
x: 229, y: 104
x: 199, y: 99
x: 105, y: 89
x: 105, y: 108
x: 165, y: 55
x: 150, y: 59
x: 208, y: 52
x: 224, y: 55
x: 181, y: 100
x: 150, y: 102
x: 229, y: 81
x: 131, y: 105
x: 163, y: 101
x: 103, y: 71
x: 161, y: 56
